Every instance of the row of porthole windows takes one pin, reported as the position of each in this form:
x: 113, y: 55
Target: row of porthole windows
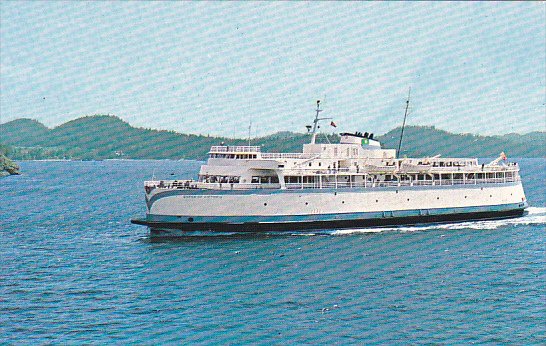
x: 343, y: 202
x: 377, y: 201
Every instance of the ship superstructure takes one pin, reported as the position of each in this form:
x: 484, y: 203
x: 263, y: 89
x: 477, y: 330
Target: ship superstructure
x: 353, y: 183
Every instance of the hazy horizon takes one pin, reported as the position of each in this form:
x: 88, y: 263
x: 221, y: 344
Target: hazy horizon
x: 211, y: 68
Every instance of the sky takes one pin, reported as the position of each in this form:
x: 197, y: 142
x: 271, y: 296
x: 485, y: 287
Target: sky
x: 214, y: 67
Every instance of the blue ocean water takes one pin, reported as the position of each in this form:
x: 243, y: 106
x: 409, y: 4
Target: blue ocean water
x: 74, y: 270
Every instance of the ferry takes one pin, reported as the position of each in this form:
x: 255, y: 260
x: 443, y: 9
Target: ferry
x: 351, y: 184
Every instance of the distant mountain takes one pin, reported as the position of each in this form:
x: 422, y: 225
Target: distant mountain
x: 427, y: 141
x: 24, y: 132
x: 102, y: 137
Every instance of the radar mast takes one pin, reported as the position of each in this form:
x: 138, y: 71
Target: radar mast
x: 315, y: 123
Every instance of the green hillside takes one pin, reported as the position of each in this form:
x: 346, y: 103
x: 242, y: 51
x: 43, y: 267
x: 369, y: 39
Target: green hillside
x: 426, y: 141
x: 103, y: 137
x: 23, y: 132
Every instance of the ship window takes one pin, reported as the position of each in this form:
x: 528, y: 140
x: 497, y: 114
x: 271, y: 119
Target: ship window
x: 309, y: 164
x: 291, y: 180
x: 320, y: 164
x: 255, y: 180
x: 308, y: 179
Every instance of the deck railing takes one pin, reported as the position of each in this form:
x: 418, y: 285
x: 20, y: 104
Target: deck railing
x: 235, y: 149
x: 299, y: 170
x: 374, y: 184
x: 190, y: 184
x: 287, y: 156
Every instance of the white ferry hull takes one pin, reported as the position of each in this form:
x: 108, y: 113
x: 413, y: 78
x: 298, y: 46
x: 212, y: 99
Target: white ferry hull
x: 171, y: 211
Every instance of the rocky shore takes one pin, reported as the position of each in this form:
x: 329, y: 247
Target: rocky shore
x: 7, y: 166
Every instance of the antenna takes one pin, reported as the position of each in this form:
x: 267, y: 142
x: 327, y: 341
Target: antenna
x: 404, y: 123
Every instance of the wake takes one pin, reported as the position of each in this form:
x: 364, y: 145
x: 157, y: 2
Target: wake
x: 535, y: 216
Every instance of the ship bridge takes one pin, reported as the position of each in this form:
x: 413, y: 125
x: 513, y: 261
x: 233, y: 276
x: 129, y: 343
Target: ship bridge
x: 351, y: 146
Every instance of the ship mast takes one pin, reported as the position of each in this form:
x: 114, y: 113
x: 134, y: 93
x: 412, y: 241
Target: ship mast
x: 249, y: 129
x: 315, y: 123
x: 404, y: 123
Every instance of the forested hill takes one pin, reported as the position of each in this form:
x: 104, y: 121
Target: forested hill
x: 103, y: 137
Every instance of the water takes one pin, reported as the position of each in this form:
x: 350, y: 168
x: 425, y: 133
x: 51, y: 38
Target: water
x: 74, y: 270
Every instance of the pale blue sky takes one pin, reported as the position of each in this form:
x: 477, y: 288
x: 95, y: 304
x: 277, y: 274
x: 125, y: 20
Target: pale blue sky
x: 210, y: 67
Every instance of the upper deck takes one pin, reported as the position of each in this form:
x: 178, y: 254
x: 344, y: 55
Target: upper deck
x: 247, y: 168
x: 358, y: 160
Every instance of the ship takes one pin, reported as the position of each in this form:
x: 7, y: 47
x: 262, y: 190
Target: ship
x: 330, y: 186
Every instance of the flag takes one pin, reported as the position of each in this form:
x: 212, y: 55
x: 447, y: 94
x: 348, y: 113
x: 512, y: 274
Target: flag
x: 333, y: 124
